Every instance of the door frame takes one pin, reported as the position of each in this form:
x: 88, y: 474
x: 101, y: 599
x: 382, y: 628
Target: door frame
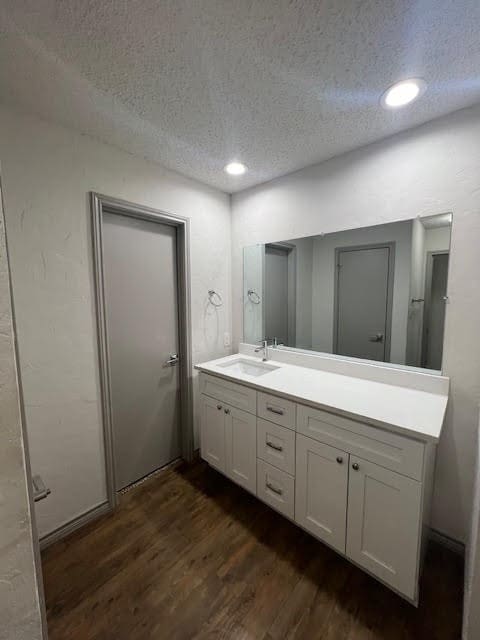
x: 390, y: 286
x: 100, y: 204
x: 427, y: 299
x: 291, y: 251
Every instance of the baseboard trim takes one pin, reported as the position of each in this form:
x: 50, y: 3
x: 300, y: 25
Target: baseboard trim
x: 58, y: 534
x: 446, y: 541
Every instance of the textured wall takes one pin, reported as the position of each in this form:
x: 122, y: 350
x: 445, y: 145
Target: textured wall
x: 48, y: 172
x: 429, y: 170
x: 20, y: 617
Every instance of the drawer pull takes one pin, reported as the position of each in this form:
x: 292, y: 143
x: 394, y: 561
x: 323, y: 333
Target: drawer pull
x: 273, y: 488
x: 272, y: 445
x: 278, y: 412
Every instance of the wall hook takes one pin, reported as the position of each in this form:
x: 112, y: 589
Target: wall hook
x: 214, y: 298
x: 253, y: 296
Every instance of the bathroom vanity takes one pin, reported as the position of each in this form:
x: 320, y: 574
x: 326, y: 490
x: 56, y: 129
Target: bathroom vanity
x: 348, y: 459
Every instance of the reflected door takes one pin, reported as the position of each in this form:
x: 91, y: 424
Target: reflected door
x: 436, y: 290
x: 276, y: 293
x: 364, y: 277
x: 142, y: 323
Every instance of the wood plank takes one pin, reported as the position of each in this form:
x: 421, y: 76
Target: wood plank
x: 189, y: 555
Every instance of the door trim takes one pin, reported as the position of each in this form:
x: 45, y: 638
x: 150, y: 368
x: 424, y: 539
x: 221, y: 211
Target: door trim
x: 100, y: 204
x: 390, y: 286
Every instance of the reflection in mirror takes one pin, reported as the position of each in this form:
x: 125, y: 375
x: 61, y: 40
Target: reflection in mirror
x: 376, y: 293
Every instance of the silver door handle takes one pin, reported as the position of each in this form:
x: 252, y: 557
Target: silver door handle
x: 277, y: 447
x: 279, y: 412
x: 376, y: 337
x: 40, y: 491
x: 172, y: 359
x: 273, y: 488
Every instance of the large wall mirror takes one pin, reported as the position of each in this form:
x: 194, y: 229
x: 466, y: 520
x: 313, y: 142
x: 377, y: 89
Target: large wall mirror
x: 376, y: 293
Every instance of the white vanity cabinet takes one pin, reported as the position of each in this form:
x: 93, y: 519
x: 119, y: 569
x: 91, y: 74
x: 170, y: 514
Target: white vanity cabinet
x: 229, y: 434
x: 363, y: 490
x: 241, y: 447
x: 384, y: 524
x: 213, y: 433
x: 321, y: 491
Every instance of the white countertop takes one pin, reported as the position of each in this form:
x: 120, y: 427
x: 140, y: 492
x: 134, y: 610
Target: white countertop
x: 408, y: 411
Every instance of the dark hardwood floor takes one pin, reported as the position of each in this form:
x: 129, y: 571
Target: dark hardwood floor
x: 190, y: 555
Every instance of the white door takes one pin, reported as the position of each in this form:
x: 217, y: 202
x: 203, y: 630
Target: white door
x: 363, y: 302
x: 241, y: 447
x: 321, y: 490
x: 212, y: 432
x: 383, y: 529
x: 142, y: 325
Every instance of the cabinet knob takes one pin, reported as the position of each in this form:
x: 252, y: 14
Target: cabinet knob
x: 219, y: 407
x: 227, y: 411
x: 339, y: 459
x: 355, y: 466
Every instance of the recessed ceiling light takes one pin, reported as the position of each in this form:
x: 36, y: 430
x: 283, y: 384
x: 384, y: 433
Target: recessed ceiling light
x: 402, y: 93
x: 235, y: 168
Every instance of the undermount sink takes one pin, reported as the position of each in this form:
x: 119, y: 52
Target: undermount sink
x: 247, y: 367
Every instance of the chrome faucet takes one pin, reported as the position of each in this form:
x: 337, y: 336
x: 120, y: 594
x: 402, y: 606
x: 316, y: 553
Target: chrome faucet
x: 263, y: 348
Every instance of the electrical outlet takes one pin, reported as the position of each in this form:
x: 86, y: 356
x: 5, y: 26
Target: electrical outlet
x: 226, y: 339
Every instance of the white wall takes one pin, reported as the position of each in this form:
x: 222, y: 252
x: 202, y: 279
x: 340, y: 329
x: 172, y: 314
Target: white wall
x: 303, y: 298
x: 437, y: 239
x: 253, y: 278
x: 417, y: 292
x: 429, y: 170
x: 20, y: 609
x: 47, y: 174
x: 323, y: 283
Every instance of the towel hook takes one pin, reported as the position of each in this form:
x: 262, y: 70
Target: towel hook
x: 214, y: 298
x: 253, y: 296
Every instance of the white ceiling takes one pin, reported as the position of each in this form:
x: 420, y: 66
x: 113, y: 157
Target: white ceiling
x: 277, y: 84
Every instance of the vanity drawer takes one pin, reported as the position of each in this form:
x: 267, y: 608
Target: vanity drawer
x: 276, y: 410
x: 276, y: 488
x: 236, y: 395
x: 384, y: 448
x: 276, y: 445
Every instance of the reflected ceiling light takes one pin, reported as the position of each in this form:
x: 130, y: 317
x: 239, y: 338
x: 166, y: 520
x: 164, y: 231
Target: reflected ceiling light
x: 403, y: 93
x: 235, y: 168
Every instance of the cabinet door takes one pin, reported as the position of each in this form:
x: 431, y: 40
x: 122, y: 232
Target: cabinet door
x: 383, y: 529
x: 321, y: 491
x: 241, y: 447
x: 212, y: 433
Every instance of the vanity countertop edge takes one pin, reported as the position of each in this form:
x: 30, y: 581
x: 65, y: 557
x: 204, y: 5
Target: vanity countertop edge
x: 386, y: 403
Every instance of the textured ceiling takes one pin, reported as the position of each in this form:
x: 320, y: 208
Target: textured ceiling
x: 277, y: 84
